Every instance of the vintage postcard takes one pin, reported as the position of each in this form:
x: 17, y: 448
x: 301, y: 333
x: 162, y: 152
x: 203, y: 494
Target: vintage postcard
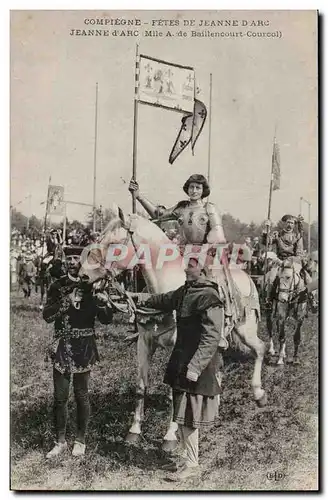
x: 164, y: 258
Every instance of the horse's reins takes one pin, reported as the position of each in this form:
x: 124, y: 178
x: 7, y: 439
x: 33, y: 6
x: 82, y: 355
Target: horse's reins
x: 123, y: 293
x: 290, y: 291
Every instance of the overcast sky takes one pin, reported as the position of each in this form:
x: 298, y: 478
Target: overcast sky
x: 257, y: 83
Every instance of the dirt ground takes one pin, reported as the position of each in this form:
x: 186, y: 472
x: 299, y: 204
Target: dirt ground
x: 271, y: 448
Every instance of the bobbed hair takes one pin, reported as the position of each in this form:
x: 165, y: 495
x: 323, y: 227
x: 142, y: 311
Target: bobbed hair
x: 199, y: 179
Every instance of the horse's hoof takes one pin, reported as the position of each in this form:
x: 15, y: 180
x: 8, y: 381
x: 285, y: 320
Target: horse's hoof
x: 272, y: 353
x: 280, y: 362
x: 169, y: 445
x: 132, y: 438
x: 263, y: 401
x: 296, y: 361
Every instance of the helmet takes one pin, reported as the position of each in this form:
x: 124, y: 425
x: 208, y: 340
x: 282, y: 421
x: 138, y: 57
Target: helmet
x: 287, y: 217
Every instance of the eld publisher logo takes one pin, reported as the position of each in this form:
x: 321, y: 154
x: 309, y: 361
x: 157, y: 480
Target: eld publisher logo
x: 276, y: 476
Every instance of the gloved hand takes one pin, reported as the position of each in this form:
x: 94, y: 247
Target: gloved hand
x: 134, y: 188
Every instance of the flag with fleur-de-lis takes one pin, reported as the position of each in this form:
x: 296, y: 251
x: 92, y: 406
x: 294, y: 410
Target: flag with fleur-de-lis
x: 199, y: 117
x: 191, y: 127
x: 183, y: 138
x: 165, y: 84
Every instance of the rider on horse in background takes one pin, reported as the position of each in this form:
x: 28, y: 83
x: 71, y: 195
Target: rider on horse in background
x: 287, y: 243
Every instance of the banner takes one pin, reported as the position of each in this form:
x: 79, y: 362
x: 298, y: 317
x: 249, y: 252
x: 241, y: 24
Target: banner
x: 160, y: 83
x: 183, y: 138
x: 55, y: 201
x: 192, y: 125
x: 200, y: 114
x: 275, y: 173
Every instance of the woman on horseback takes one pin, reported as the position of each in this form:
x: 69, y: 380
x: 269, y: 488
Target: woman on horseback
x: 199, y: 221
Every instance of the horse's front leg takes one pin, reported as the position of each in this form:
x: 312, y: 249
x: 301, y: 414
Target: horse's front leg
x: 297, y: 334
x: 145, y: 351
x: 42, y: 292
x: 269, y: 320
x: 167, y: 342
x: 170, y: 438
x: 297, y: 341
x: 282, y: 337
x: 248, y: 334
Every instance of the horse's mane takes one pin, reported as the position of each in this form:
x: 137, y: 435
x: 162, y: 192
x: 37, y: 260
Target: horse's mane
x: 137, y: 224
x: 148, y: 229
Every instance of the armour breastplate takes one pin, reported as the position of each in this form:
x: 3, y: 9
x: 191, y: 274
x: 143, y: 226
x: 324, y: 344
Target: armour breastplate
x: 193, y: 224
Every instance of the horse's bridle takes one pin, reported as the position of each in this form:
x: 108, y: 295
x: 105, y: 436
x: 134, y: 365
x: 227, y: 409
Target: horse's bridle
x: 131, y: 305
x: 293, y: 292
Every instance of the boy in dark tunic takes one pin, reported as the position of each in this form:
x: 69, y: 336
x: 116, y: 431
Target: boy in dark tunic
x: 73, y: 308
x: 193, y: 370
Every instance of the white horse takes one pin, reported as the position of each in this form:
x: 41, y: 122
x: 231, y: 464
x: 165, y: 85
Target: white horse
x: 135, y: 233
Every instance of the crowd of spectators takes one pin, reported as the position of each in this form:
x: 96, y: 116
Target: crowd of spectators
x: 33, y: 245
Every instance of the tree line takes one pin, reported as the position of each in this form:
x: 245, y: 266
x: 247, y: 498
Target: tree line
x: 235, y: 230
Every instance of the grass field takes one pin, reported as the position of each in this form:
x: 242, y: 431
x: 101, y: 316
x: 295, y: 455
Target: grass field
x: 273, y: 448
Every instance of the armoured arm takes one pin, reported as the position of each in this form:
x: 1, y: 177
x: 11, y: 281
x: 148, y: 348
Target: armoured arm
x: 299, y: 247
x: 270, y: 239
x: 212, y: 321
x: 264, y: 239
x: 148, y: 206
x: 154, y: 211
x: 216, y: 233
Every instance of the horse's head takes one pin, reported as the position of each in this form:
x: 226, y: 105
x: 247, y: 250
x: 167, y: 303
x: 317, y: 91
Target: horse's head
x: 117, y: 246
x: 290, y: 281
x: 93, y: 258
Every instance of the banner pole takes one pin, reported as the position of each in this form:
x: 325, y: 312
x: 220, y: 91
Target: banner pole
x: 64, y: 224
x: 135, y: 128
x: 209, y: 134
x: 95, y: 162
x: 45, y: 217
x: 309, y: 229
x: 269, y: 214
x: 29, y: 212
x: 134, y: 159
